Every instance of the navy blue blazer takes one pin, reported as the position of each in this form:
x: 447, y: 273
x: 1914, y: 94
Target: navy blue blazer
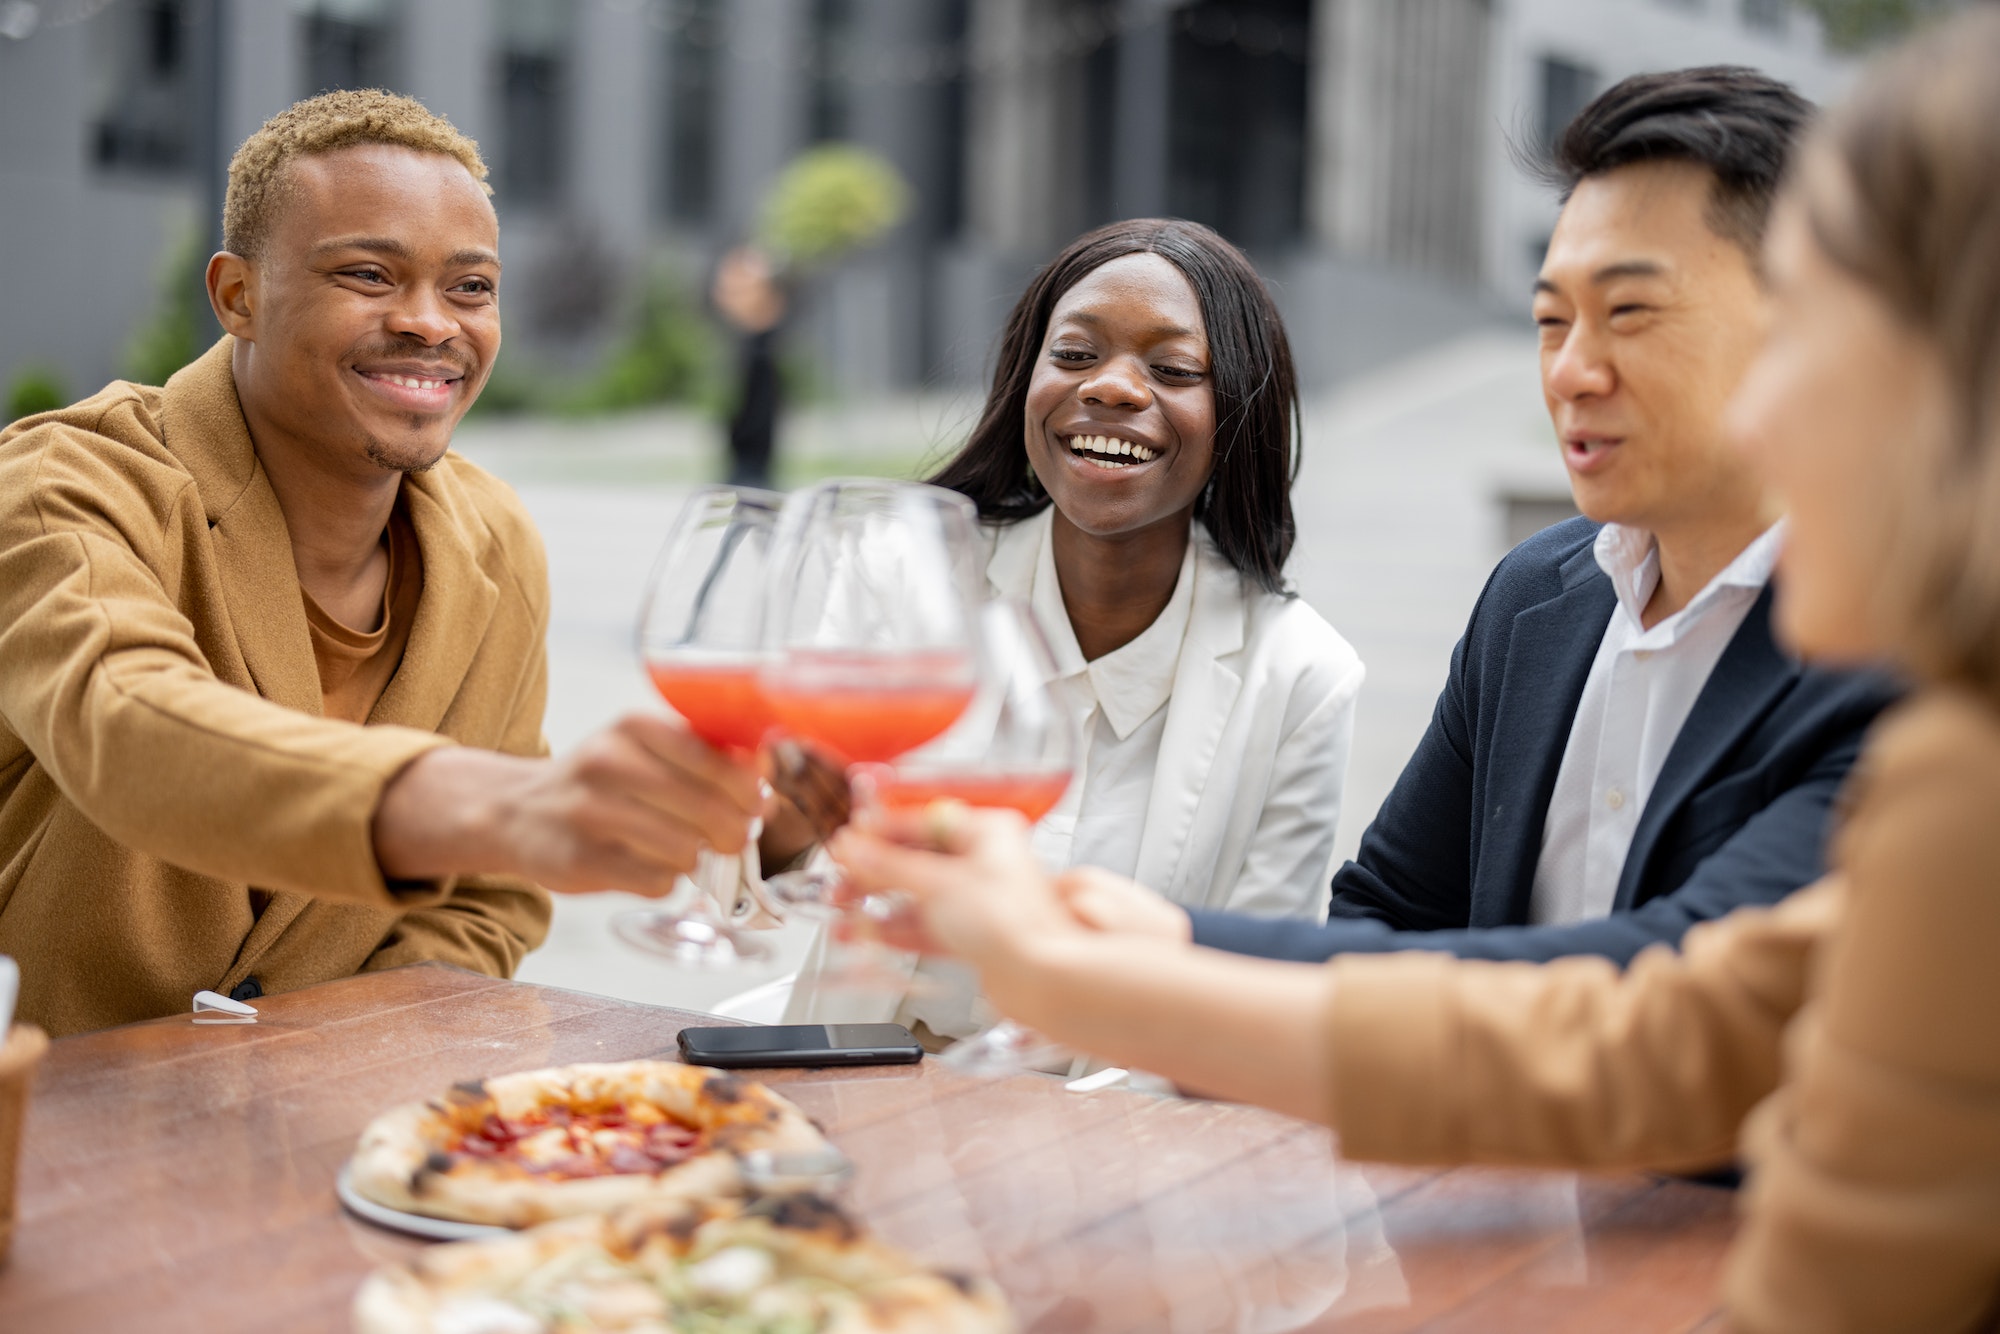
x: 1739, y: 814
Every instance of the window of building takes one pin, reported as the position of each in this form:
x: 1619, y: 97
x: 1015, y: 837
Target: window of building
x: 145, y: 92
x: 532, y: 41
x: 348, y: 44
x: 830, y: 115
x: 1765, y: 15
x: 951, y: 117
x: 695, y: 43
x: 1097, y: 147
x: 1237, y: 123
x: 1567, y: 88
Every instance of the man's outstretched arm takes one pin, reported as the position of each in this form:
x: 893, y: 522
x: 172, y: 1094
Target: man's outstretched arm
x: 1777, y: 851
x: 103, y: 681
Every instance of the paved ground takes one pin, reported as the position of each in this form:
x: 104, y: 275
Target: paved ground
x: 1400, y: 518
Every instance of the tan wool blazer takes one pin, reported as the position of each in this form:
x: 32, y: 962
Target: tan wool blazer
x: 175, y: 813
x: 1846, y: 1043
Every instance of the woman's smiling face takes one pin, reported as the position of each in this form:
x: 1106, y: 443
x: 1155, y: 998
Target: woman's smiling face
x: 1121, y: 408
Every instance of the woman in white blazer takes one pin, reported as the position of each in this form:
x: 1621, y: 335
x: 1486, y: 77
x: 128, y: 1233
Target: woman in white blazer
x: 1133, y: 465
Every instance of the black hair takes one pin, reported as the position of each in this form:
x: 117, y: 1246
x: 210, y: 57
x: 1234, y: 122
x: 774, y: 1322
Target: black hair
x: 1247, y: 503
x: 1740, y: 124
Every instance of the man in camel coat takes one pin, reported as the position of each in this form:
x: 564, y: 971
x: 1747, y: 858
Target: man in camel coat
x: 272, y: 662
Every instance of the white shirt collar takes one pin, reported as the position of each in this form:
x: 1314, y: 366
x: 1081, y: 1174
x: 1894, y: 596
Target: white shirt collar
x: 1631, y: 557
x: 1131, y: 683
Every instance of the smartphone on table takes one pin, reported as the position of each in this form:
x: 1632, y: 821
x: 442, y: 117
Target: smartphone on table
x: 800, y: 1044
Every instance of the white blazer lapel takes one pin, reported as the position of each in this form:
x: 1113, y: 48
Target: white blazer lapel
x: 1205, y: 690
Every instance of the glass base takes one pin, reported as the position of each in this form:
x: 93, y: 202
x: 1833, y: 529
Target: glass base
x: 807, y: 894
x: 1005, y: 1049
x: 690, y: 941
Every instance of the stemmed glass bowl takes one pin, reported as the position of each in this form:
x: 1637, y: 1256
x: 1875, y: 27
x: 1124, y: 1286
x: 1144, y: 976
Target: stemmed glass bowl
x: 701, y: 642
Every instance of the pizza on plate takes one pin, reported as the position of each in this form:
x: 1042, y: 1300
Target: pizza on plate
x: 520, y: 1149
x: 778, y: 1264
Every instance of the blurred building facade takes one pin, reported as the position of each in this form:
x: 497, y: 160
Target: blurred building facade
x: 1357, y: 148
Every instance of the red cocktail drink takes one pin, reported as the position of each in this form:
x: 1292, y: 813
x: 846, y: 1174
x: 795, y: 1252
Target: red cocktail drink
x: 866, y: 707
x: 723, y: 701
x: 1032, y: 794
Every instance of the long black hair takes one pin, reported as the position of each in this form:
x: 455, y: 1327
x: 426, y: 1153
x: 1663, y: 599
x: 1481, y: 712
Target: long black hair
x: 1247, y: 504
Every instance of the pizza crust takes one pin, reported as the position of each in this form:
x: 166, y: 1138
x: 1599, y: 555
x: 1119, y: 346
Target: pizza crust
x: 400, y: 1160
x: 608, y: 1275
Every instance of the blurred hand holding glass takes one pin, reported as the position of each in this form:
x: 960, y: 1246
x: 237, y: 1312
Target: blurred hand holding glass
x: 846, y: 633
x: 1016, y: 748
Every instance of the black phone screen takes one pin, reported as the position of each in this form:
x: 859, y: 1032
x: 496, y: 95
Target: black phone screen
x: 800, y: 1044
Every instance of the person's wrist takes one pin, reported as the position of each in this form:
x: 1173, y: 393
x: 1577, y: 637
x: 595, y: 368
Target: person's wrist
x: 1029, y: 974
x: 481, y: 814
x: 1329, y: 1082
x: 440, y: 816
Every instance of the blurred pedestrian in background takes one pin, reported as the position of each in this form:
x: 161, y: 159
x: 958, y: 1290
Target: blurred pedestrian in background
x: 827, y: 204
x: 748, y: 294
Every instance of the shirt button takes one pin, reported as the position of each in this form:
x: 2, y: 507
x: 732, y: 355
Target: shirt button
x: 1643, y: 654
x: 1615, y: 798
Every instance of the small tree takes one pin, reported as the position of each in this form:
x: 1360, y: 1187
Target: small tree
x: 829, y: 201
x: 1856, y: 25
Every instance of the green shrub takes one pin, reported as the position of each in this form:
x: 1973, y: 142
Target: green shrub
x: 177, y: 331
x: 672, y: 354
x: 828, y: 201
x: 669, y: 357
x: 35, y: 389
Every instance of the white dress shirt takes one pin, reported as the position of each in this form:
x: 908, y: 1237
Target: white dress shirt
x: 1642, y: 685
x: 1119, y: 706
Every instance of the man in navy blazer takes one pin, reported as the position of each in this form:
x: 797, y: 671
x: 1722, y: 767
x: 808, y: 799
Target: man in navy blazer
x: 1621, y: 749
x: 1738, y: 815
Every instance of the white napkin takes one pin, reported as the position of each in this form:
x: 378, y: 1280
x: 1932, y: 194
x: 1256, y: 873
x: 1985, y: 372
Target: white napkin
x: 212, y: 1007
x: 10, y: 987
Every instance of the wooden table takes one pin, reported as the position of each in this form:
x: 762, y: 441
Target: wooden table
x: 180, y: 1177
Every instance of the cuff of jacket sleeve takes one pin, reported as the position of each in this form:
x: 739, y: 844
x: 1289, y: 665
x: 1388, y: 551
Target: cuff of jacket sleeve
x: 359, y: 872
x: 1390, y: 1032
x: 1205, y: 926
x: 408, y: 894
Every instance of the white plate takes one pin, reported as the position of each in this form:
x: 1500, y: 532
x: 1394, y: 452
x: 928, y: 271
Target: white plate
x: 421, y: 1225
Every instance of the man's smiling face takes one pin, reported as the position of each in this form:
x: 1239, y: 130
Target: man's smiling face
x: 373, y: 310
x: 1648, y: 319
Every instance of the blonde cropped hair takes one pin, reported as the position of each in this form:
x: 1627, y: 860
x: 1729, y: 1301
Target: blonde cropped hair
x: 257, y: 174
x: 1911, y: 208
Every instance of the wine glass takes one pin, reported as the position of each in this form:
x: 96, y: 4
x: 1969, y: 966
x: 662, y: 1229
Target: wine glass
x: 700, y: 640
x: 1015, y: 749
x: 871, y: 634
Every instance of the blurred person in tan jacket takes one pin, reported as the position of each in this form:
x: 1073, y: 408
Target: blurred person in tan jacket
x: 272, y: 660
x: 1843, y: 1041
